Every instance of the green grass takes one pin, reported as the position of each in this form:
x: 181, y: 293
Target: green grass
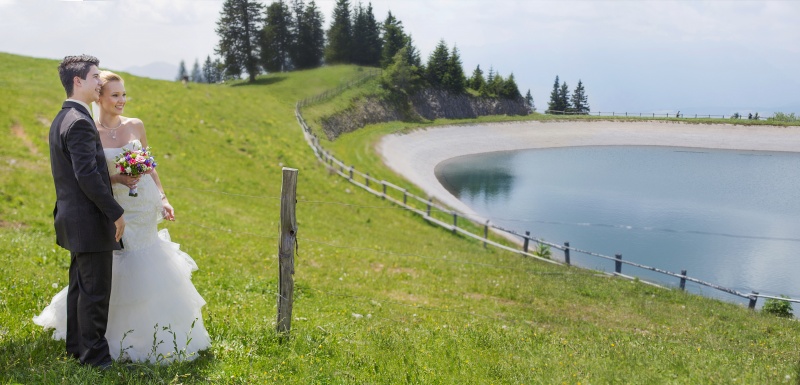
x: 434, y: 307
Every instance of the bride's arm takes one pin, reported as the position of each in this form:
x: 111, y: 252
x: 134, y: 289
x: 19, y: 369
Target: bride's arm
x: 169, y: 212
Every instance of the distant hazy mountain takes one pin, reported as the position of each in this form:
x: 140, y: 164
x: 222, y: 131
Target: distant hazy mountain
x: 157, y: 70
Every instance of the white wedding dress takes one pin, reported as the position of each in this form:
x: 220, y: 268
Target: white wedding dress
x: 154, y: 312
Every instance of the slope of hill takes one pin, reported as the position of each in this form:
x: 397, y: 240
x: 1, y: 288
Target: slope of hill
x: 380, y: 297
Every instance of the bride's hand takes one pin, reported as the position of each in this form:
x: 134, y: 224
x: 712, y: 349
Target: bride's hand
x: 126, y: 180
x: 168, y: 212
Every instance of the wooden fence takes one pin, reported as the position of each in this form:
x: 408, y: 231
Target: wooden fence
x: 653, y: 115
x: 368, y: 74
x: 447, y: 218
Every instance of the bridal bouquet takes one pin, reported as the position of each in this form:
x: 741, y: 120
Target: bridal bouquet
x: 134, y: 163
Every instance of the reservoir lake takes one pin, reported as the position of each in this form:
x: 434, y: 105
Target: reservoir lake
x: 729, y: 217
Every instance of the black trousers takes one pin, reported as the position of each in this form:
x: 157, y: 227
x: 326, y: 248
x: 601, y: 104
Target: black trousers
x: 87, y: 306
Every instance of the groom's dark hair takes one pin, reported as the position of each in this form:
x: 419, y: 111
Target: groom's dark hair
x: 73, y: 66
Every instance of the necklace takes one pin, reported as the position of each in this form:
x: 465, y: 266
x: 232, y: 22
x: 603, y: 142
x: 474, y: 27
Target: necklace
x: 112, y: 131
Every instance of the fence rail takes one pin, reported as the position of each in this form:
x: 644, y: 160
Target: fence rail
x: 655, y: 115
x: 368, y: 74
x: 384, y: 190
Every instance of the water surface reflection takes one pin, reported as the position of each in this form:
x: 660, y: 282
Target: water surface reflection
x: 728, y: 217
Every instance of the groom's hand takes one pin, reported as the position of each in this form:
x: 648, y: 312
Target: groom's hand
x: 120, y: 225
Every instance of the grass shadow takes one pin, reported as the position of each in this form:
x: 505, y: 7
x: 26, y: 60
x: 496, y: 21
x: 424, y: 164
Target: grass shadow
x: 39, y: 359
x: 262, y: 81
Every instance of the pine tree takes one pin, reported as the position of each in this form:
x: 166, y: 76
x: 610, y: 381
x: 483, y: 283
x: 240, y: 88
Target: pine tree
x: 529, y: 102
x: 485, y: 90
x: 553, y: 105
x: 340, y: 34
x: 563, y: 98
x: 197, y: 75
x: 374, y: 44
x: 298, y: 11
x: 437, y: 66
x: 209, y: 72
x: 276, y: 40
x: 358, y: 41
x: 239, y: 29
x: 454, y: 79
x: 509, y: 89
x: 182, y: 73
x: 221, y: 74
x: 367, y: 43
x: 477, y: 81
x: 401, y: 75
x: 412, y: 54
x: 495, y: 87
x: 580, y: 102
x: 309, y: 36
x: 394, y: 39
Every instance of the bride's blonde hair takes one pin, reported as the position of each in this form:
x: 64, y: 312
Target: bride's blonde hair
x: 108, y: 76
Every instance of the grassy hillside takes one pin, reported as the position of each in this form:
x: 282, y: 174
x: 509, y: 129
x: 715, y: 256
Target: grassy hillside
x: 380, y: 296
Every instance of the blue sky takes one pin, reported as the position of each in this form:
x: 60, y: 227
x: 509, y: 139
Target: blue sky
x: 713, y: 57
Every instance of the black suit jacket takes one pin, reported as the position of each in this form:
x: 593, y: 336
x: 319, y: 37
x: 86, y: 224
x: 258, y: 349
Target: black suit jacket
x: 85, y: 207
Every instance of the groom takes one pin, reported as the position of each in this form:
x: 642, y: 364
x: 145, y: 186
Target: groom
x: 88, y: 220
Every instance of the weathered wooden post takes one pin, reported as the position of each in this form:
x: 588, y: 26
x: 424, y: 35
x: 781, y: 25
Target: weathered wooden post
x: 405, y: 197
x: 485, y: 233
x: 527, y: 240
x: 366, y: 179
x: 566, y: 252
x: 351, y: 172
x: 753, y: 299
x: 683, y: 280
x: 383, y: 183
x: 286, y: 250
x: 455, y: 221
x: 430, y: 200
x: 618, y: 263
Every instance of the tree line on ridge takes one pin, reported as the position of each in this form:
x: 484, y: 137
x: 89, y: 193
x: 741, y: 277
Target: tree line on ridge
x: 286, y: 36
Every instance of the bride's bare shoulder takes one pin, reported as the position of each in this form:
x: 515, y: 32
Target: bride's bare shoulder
x: 136, y: 122
x: 136, y: 126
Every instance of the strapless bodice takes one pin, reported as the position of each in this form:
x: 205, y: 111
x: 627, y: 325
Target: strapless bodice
x: 142, y: 212
x: 112, y: 153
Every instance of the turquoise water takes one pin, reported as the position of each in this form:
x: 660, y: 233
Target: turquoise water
x: 731, y: 218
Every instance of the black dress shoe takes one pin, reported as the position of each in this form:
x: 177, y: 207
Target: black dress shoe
x: 104, y: 366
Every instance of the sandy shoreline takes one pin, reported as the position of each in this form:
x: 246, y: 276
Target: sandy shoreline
x: 415, y: 155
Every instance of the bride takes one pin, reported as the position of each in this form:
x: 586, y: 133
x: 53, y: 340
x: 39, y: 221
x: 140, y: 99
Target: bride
x: 154, y: 314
